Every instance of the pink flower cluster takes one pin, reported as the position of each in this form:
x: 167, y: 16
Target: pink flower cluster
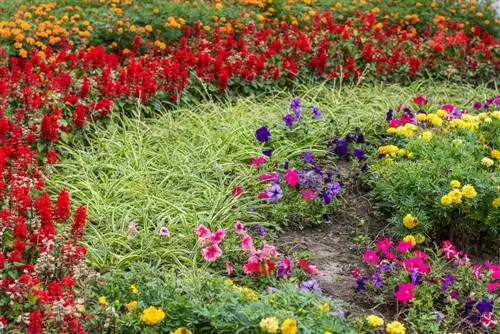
x: 210, y: 242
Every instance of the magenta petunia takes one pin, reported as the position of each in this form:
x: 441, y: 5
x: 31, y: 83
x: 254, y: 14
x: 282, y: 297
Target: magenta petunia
x: 370, y: 256
x: 309, y: 195
x: 404, y: 292
x: 404, y: 246
x: 383, y: 245
x: 258, y: 161
x: 202, y: 231
x: 292, y: 177
x: 239, y: 228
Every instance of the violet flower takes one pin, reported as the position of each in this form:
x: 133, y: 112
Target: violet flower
x: 310, y: 285
x: 263, y: 135
x: 316, y: 111
x: 274, y: 192
x: 289, y: 120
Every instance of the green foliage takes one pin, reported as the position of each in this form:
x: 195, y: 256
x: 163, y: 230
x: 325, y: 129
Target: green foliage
x: 417, y: 186
x: 209, y: 305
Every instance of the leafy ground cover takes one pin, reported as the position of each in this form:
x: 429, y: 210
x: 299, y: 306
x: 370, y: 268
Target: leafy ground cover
x: 186, y: 189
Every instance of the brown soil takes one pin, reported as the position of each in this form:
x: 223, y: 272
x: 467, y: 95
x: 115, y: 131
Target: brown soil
x: 334, y: 250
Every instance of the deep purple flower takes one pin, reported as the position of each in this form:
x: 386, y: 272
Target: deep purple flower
x: 360, y: 284
x: 364, y: 168
x: 446, y: 282
x: 341, y: 147
x: 415, y: 277
x: 295, y: 103
x: 316, y: 111
x: 274, y: 192
x: 350, y: 137
x: 359, y: 153
x: 286, y: 164
x: 268, y: 152
x: 327, y: 199
x: 453, y: 294
x: 468, y: 306
x: 389, y: 115
x: 308, y: 157
x: 361, y: 138
x: 474, y: 318
x: 477, y: 105
x: 262, y: 134
x: 260, y: 230
x: 310, y: 285
x: 289, y: 120
x: 334, y: 189
x: 376, y: 280
x: 384, y: 268
x: 484, y: 306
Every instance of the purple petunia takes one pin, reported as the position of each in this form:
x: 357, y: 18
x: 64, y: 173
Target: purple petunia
x: 274, y: 192
x: 389, y: 115
x: 360, y: 284
x: 316, y: 111
x: 376, y: 280
x: 308, y: 157
x: 260, y: 230
x: 341, y: 147
x: 384, y: 268
x: 359, y: 154
x: 484, y: 306
x: 310, y: 285
x: 289, y: 120
x: 446, y: 282
x: 477, y: 105
x: 262, y: 134
x: 267, y: 152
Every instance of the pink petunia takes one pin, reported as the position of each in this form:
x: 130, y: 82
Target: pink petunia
x: 370, y: 256
x: 269, y: 176
x: 309, y: 195
x: 416, y: 263
x: 356, y: 272
x: 217, y: 236
x: 476, y: 271
x: 247, y: 243
x: 494, y: 269
x: 389, y: 256
x: 229, y: 267
x: 212, y: 253
x: 394, y: 123
x: 292, y: 177
x: 449, y: 250
x: 239, y: 228
x: 258, y: 161
x: 420, y: 254
x: 202, y: 231
x: 269, y: 250
x: 384, y: 245
x: 404, y: 246
x: 404, y: 292
x: 237, y: 190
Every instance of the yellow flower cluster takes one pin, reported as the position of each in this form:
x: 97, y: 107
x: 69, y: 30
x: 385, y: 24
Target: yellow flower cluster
x: 455, y: 195
x: 395, y: 327
x: 182, y: 330
x: 375, y: 321
x: 388, y: 150
x: 247, y: 292
x: 410, y: 221
x: 152, y: 316
x: 406, y: 130
x: 271, y: 325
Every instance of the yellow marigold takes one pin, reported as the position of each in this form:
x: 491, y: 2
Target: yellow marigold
x: 131, y: 305
x: 182, y: 330
x: 487, y: 162
x: 375, y: 321
x: 419, y: 238
x: 269, y: 325
x: 421, y: 117
x: 455, y: 184
x: 410, y: 221
x: 456, y: 196
x: 495, y: 154
x: 496, y: 202
x: 395, y: 327
x: 410, y: 238
x: 325, y: 307
x: 427, y: 136
x: 249, y: 293
x: 435, y: 120
x: 289, y: 326
x: 148, y: 28
x: 156, y: 11
x: 102, y: 301
x: 469, y: 191
x: 133, y: 289
x: 152, y: 315
x: 389, y: 149
x: 219, y: 5
x: 441, y: 113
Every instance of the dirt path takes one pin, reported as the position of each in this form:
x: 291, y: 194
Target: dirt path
x: 334, y: 250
